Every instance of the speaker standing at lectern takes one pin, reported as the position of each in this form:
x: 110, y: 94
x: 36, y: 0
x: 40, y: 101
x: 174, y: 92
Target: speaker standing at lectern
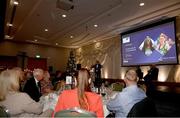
x: 97, y: 70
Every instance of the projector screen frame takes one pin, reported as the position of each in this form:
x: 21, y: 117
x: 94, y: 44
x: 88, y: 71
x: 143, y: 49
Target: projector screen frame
x: 148, y: 26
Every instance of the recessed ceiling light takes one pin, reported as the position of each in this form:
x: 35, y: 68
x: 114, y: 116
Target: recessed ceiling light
x: 38, y: 56
x: 57, y: 44
x: 95, y: 25
x: 64, y: 16
x: 8, y: 37
x: 15, y: 2
x: 46, y: 30
x: 71, y: 37
x: 9, y: 24
x: 141, y: 4
x: 35, y: 40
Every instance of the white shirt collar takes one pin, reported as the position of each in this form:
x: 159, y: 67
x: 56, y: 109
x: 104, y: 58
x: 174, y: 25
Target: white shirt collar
x: 36, y: 81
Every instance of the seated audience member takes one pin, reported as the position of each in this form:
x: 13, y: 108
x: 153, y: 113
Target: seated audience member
x: 124, y: 101
x: 18, y: 104
x: 21, y: 77
x: 20, y: 72
x: 60, y: 86
x: 28, y: 74
x: 32, y: 86
x: 46, y: 85
x: 81, y: 96
x: 57, y: 78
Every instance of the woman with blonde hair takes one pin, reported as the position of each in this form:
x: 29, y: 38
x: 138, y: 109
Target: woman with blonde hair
x: 19, y: 104
x: 81, y: 96
x: 9, y: 81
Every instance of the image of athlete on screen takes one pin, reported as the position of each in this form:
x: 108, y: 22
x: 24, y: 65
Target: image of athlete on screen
x: 147, y: 46
x: 163, y: 44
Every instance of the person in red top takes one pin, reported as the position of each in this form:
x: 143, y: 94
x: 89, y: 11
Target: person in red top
x: 81, y: 96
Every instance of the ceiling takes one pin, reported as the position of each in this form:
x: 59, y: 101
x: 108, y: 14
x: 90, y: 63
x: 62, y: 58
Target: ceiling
x: 30, y: 18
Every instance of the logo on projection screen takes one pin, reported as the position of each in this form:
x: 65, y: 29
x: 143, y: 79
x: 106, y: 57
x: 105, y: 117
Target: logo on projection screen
x: 126, y: 40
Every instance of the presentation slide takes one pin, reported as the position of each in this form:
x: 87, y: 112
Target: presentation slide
x: 155, y: 45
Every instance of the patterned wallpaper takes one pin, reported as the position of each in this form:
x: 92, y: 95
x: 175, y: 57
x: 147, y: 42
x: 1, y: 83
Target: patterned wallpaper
x: 107, y: 52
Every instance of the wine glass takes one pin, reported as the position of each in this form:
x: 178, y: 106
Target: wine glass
x: 103, y: 91
x: 103, y: 94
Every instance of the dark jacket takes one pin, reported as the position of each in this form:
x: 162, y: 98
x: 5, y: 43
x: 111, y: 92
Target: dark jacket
x: 32, y: 89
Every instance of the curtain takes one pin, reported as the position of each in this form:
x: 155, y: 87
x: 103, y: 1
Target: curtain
x: 37, y: 63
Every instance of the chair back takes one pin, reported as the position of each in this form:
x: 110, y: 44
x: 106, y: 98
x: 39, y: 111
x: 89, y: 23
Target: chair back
x: 4, y: 112
x: 75, y: 113
x: 144, y: 108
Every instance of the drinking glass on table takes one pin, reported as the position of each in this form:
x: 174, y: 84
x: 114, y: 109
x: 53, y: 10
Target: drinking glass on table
x: 109, y: 92
x: 103, y: 90
x: 103, y: 93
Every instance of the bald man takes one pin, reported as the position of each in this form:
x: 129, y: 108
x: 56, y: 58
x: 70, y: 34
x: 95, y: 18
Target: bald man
x: 129, y: 96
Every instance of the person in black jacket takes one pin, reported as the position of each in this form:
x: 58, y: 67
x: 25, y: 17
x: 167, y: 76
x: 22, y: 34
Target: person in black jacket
x: 32, y: 86
x: 152, y: 73
x: 139, y: 73
x: 97, y: 70
x: 151, y: 76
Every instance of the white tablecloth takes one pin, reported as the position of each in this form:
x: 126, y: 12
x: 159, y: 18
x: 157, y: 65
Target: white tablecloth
x: 49, y: 101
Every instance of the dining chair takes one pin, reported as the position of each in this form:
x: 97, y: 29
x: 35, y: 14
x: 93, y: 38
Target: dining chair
x: 75, y: 113
x: 144, y: 108
x: 4, y: 112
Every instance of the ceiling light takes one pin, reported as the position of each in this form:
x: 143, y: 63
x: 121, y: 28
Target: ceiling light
x: 71, y: 37
x: 15, y: 2
x: 9, y: 24
x: 38, y: 56
x: 57, y: 44
x: 141, y: 4
x: 95, y: 25
x: 46, y: 30
x: 64, y: 16
x: 8, y: 37
x: 35, y: 40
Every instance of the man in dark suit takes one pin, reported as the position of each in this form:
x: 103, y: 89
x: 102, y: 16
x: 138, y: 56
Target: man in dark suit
x: 139, y: 73
x: 32, y: 86
x: 97, y: 70
x: 151, y: 76
x: 152, y: 73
